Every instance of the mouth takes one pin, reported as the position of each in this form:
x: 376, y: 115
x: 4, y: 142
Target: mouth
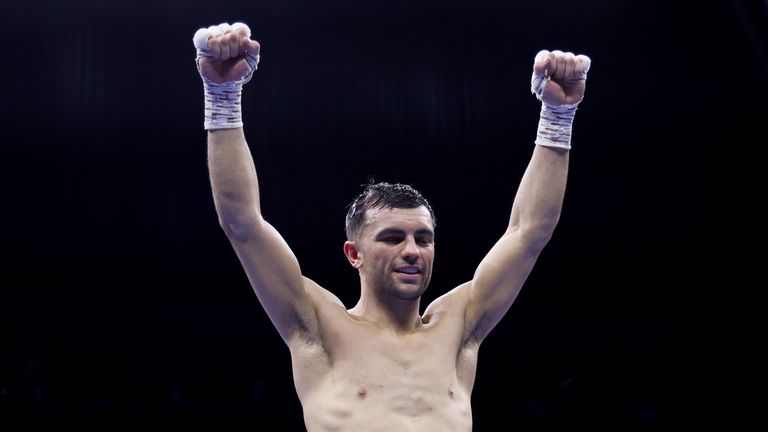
x: 408, y: 274
x: 408, y: 270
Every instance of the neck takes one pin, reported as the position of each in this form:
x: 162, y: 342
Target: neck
x: 398, y: 315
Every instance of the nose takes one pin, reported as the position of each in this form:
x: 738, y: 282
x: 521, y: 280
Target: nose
x: 411, y: 251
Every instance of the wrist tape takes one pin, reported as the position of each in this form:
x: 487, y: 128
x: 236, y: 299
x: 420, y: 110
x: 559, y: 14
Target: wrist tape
x: 223, y: 109
x: 555, y: 124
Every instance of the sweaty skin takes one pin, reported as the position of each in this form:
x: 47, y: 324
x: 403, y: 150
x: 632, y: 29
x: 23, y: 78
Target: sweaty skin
x: 381, y: 366
x: 369, y: 378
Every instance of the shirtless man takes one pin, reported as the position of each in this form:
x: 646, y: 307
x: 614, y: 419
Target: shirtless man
x: 380, y: 366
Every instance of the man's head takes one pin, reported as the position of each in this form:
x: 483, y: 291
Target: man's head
x: 383, y: 195
x: 390, y: 228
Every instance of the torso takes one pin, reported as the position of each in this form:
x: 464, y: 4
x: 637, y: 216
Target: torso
x: 364, y: 378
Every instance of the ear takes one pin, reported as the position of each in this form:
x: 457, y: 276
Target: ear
x: 353, y: 254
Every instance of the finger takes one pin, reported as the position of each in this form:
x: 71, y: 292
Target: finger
x: 233, y: 40
x: 243, y: 33
x: 201, y: 39
x: 582, y: 66
x: 541, y: 62
x: 224, y: 47
x: 213, y: 46
x: 218, y: 30
x: 557, y: 68
x: 242, y: 46
x: 242, y: 29
x: 252, y: 46
x: 570, y: 65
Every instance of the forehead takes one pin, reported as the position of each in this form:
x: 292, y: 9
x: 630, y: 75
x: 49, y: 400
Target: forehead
x: 417, y: 218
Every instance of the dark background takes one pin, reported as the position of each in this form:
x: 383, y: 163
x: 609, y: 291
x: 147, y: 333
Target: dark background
x: 122, y: 306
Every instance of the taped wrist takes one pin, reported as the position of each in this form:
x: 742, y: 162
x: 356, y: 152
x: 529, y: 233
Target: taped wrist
x: 555, y: 123
x: 223, y: 109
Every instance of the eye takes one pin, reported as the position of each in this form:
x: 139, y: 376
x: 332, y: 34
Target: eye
x: 424, y: 241
x: 391, y: 239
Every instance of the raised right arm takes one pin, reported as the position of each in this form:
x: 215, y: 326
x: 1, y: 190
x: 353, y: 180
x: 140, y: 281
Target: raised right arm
x: 270, y: 265
x: 225, y: 63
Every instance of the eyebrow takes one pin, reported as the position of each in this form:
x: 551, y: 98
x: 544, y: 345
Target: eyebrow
x: 398, y: 231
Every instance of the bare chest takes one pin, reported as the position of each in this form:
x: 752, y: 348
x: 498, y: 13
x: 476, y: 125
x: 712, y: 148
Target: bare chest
x: 372, y: 373
x: 376, y: 380
x: 377, y: 361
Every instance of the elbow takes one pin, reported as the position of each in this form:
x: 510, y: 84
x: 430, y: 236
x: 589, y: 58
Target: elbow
x: 239, y: 225
x: 546, y: 226
x: 538, y: 239
x: 535, y: 234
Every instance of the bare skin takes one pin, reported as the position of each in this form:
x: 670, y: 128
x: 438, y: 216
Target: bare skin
x: 381, y: 366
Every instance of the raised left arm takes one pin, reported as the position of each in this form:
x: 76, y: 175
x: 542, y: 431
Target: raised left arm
x: 559, y: 81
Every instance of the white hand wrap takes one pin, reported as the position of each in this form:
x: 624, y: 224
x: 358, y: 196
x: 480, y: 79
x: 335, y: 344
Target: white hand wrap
x: 555, y: 122
x: 222, y: 100
x: 538, y: 82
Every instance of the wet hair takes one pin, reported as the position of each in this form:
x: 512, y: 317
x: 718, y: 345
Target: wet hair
x: 382, y: 195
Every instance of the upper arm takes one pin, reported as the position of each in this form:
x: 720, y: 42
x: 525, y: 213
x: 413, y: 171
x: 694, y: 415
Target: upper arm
x: 275, y: 275
x: 535, y: 213
x: 498, y: 280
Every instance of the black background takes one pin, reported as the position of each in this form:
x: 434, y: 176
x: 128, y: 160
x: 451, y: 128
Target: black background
x: 123, y: 307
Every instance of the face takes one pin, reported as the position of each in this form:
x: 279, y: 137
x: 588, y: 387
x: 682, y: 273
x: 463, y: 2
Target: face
x: 396, y: 250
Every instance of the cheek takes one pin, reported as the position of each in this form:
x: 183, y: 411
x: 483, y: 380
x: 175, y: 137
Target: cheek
x: 429, y: 255
x: 379, y: 256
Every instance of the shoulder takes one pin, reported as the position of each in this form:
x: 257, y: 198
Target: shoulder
x: 324, y: 308
x: 452, y: 303
x: 318, y: 294
x: 325, y: 303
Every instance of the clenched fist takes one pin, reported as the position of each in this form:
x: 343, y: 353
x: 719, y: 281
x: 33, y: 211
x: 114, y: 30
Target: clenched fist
x: 559, y: 78
x: 226, y: 52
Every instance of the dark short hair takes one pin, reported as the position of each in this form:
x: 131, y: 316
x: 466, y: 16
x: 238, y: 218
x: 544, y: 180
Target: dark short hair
x: 383, y: 195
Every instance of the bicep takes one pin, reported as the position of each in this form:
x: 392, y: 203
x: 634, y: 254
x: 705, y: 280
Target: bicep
x: 499, y: 279
x: 275, y: 276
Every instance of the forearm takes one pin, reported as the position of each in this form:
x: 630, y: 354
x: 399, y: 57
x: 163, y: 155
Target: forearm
x: 535, y: 212
x: 233, y: 177
x: 558, y: 80
x: 539, y: 198
x: 226, y: 60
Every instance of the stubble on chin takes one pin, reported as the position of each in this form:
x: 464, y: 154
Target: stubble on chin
x: 389, y: 286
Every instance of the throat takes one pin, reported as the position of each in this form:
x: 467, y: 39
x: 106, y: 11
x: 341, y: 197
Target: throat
x: 400, y: 317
